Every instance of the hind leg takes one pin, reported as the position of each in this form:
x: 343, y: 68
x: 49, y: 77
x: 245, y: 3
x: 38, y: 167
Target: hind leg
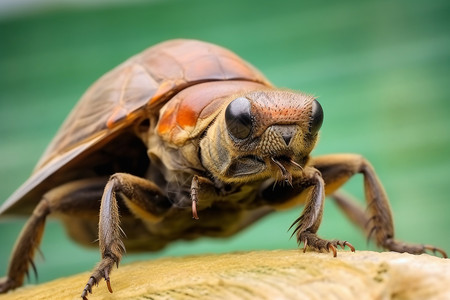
x: 69, y: 199
x: 339, y: 168
x: 353, y: 210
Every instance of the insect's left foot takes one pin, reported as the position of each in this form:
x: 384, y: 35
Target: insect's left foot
x: 401, y: 247
x: 312, y: 240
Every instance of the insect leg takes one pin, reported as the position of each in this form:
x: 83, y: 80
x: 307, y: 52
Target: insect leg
x: 23, y: 252
x: 143, y: 198
x: 351, y: 209
x: 201, y: 185
x: 336, y: 169
x: 62, y: 199
x: 308, y: 223
x: 194, y: 196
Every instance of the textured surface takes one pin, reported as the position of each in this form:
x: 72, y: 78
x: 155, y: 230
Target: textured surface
x: 265, y: 275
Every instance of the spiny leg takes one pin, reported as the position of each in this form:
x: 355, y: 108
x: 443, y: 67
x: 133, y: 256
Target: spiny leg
x: 25, y: 247
x: 339, y: 168
x: 62, y: 199
x: 308, y: 223
x: 358, y: 216
x: 143, y: 198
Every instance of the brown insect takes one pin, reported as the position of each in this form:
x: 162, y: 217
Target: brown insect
x: 187, y: 124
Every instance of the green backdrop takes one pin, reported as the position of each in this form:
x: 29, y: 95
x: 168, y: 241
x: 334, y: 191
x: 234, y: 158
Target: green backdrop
x: 380, y: 70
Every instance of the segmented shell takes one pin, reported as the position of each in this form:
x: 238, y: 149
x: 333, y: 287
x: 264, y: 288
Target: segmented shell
x: 143, y: 83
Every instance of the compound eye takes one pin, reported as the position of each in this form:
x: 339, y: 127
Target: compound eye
x: 316, y: 117
x: 238, y: 118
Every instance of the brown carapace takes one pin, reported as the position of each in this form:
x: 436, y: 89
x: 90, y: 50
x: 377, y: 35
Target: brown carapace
x: 182, y: 131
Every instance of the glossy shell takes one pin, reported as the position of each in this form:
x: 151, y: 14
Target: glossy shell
x: 142, y: 84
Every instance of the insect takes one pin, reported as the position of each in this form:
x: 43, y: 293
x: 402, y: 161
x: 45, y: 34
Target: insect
x: 187, y: 130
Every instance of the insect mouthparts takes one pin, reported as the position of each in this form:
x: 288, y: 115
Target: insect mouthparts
x: 287, y: 176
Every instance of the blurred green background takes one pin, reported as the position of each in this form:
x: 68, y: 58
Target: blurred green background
x: 380, y: 70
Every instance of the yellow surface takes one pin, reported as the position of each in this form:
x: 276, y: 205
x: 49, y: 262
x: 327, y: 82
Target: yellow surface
x: 265, y: 275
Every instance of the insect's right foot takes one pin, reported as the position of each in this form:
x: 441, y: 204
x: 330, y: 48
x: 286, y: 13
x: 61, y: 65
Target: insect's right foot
x: 102, y: 270
x: 312, y: 240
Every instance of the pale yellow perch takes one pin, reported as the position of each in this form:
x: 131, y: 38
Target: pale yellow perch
x: 265, y: 275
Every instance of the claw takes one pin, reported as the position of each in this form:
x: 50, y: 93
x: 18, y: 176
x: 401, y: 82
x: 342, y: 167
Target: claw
x: 312, y: 240
x: 434, y: 250
x: 348, y: 245
x: 86, y: 292
x: 108, y: 282
x: 332, y: 248
x: 88, y: 288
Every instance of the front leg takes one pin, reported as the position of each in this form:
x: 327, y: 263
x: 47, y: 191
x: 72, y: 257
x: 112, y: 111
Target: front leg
x: 204, y: 186
x: 308, y: 223
x: 143, y: 198
x: 336, y: 170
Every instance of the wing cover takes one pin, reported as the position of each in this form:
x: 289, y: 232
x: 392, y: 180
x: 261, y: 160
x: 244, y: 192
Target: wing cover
x: 146, y: 80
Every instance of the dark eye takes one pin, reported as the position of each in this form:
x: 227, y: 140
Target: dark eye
x: 238, y: 118
x: 316, y: 117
